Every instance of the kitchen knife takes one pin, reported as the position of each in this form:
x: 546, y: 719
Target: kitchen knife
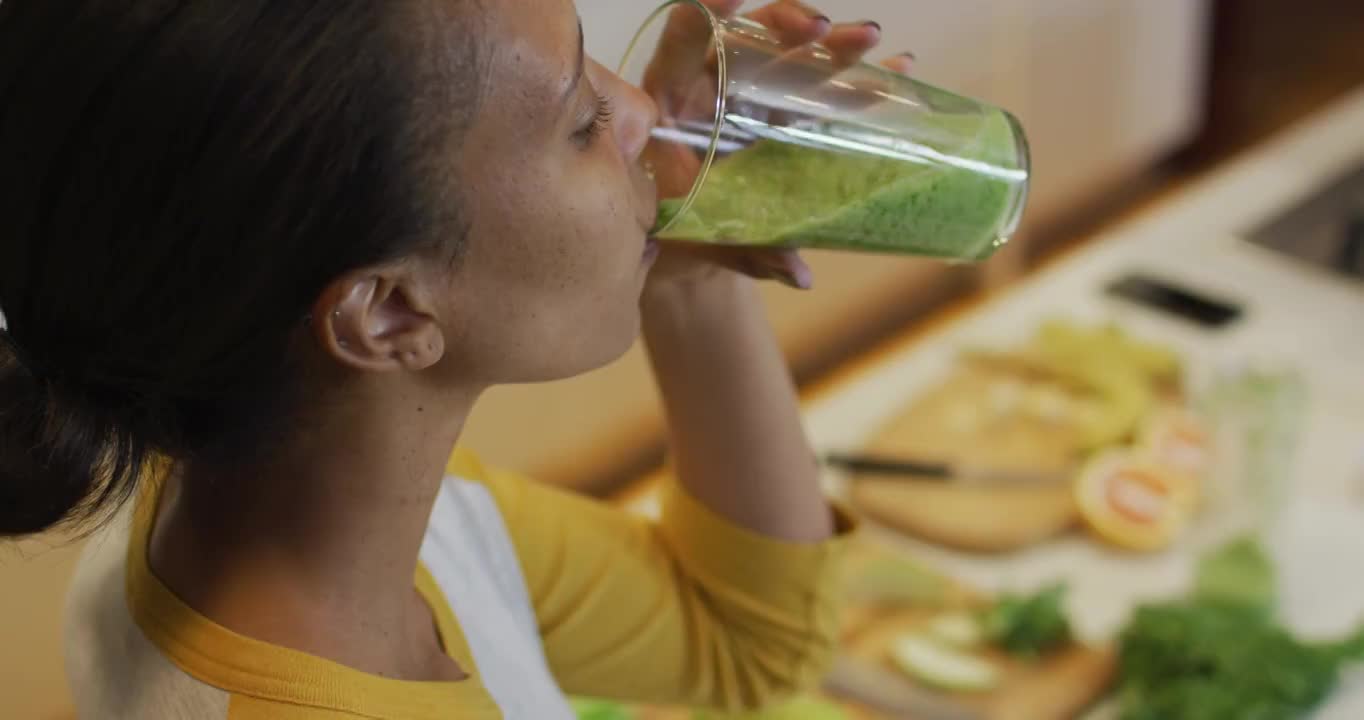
x: 930, y: 471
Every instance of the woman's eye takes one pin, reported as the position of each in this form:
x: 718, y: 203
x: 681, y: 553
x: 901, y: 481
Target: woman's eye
x: 601, y: 119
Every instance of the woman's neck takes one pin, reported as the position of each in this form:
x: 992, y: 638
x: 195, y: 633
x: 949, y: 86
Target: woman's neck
x: 317, y: 549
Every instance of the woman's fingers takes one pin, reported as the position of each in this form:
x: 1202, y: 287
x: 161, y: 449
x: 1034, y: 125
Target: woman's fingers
x: 808, y: 66
x: 681, y: 54
x: 796, y: 23
x: 781, y: 264
x: 723, y: 8
x: 902, y: 63
x: 784, y: 265
x: 685, y: 47
x: 849, y: 42
x: 793, y: 23
x: 686, y: 39
x: 811, y: 70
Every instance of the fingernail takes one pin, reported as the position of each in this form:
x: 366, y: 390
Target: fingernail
x: 789, y: 279
x: 909, y: 55
x: 824, y: 19
x: 873, y: 24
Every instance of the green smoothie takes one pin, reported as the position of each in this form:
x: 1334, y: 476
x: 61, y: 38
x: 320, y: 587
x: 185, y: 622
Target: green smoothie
x: 781, y: 194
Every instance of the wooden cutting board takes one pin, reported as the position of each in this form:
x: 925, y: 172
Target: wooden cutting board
x: 975, y: 519
x: 986, y: 417
x: 1056, y: 687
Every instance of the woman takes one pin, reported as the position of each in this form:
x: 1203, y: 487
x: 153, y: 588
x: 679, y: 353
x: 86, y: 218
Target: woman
x: 259, y: 260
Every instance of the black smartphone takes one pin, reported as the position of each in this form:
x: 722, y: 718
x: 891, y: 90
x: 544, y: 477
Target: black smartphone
x: 1170, y: 298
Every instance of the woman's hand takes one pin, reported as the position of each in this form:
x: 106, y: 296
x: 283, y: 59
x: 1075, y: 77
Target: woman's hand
x: 671, y: 78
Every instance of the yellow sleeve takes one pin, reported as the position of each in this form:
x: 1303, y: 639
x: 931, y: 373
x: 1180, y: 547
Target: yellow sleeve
x: 689, y: 610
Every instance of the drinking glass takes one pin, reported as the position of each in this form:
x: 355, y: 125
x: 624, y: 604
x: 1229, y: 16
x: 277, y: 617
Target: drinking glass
x: 766, y: 144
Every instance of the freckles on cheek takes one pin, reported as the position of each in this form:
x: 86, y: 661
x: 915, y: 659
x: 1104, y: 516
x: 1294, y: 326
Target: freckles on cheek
x: 552, y: 238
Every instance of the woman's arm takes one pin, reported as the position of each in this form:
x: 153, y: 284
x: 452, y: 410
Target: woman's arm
x: 731, y: 598
x: 733, y: 418
x: 690, y: 610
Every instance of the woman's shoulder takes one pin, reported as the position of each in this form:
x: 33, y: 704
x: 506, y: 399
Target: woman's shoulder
x: 466, y: 465
x: 509, y: 490
x: 112, y: 667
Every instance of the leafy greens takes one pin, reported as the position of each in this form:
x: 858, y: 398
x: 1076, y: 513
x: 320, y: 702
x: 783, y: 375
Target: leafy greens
x: 1221, y: 654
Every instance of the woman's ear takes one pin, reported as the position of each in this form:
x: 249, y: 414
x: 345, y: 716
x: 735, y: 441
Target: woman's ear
x: 380, y: 320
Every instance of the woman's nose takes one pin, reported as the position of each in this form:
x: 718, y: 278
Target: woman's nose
x: 636, y: 116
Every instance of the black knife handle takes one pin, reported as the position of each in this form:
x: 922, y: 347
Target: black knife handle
x: 887, y: 466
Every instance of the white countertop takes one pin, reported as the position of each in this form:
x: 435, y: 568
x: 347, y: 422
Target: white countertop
x: 1296, y: 314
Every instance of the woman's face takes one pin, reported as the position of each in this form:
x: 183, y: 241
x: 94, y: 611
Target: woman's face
x: 557, y: 204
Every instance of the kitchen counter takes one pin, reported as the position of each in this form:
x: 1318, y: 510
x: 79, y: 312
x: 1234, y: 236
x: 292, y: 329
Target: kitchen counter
x: 1296, y: 315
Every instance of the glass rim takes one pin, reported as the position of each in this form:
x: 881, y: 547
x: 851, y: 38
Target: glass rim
x: 717, y: 36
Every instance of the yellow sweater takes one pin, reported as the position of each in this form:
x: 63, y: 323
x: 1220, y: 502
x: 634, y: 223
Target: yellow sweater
x: 536, y: 593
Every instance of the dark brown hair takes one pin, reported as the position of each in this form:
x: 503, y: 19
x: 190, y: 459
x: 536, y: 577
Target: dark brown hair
x: 179, y: 179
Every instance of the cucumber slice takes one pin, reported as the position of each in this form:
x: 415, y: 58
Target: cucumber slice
x: 936, y: 664
x: 958, y: 630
